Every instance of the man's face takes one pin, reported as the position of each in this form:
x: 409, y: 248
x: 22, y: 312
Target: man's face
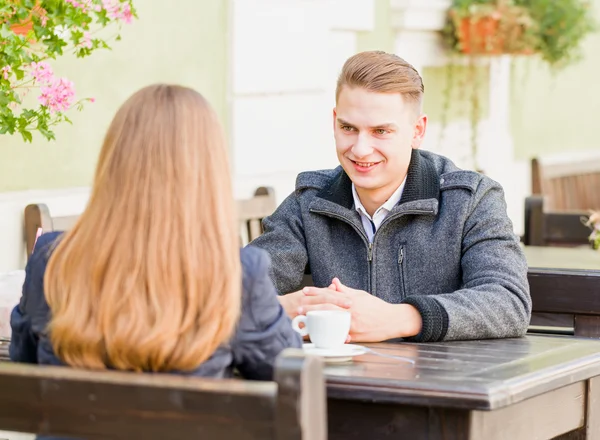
x: 374, y: 136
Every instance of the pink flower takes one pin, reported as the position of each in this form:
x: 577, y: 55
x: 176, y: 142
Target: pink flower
x: 85, y: 5
x: 92, y: 100
x: 86, y: 41
x: 6, y: 71
x: 44, y: 20
x: 58, y: 96
x: 117, y: 10
x: 126, y: 14
x: 42, y: 72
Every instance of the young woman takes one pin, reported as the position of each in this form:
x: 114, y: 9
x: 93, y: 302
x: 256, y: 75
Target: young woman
x: 151, y: 278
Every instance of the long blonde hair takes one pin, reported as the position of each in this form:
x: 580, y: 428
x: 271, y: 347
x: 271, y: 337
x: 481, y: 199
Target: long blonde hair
x: 149, y: 278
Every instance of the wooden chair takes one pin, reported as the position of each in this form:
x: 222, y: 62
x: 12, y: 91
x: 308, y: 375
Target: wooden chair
x: 250, y: 213
x: 543, y: 228
x: 569, y: 182
x: 65, y: 401
x: 38, y: 216
x: 565, y: 302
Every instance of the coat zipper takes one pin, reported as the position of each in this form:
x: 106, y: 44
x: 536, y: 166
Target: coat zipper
x: 370, y: 244
x: 361, y: 234
x: 402, y: 271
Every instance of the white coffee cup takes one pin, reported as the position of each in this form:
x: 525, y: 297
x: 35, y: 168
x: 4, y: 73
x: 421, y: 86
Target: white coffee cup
x: 326, y: 328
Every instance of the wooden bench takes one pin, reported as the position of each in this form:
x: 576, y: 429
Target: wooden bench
x: 250, y: 214
x: 121, y: 405
x: 569, y: 182
x: 545, y: 228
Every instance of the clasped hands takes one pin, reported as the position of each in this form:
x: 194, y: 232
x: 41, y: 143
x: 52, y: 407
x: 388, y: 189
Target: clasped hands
x: 373, y: 320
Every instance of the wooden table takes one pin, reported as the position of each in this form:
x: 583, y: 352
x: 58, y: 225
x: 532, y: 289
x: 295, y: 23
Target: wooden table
x: 547, y: 257
x: 536, y: 387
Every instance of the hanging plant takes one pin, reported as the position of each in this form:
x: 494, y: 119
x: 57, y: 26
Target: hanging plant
x: 550, y: 29
x: 32, y: 34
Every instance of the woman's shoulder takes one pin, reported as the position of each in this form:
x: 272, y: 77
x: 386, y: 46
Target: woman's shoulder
x: 255, y: 261
x: 43, y: 248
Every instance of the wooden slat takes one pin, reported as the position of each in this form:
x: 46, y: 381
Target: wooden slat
x: 64, y: 223
x: 250, y: 214
x: 565, y: 291
x: 561, y: 320
x: 544, y: 228
x: 568, y: 182
x: 36, y: 216
x: 587, y: 326
x: 562, y: 258
x: 501, y: 372
x: 593, y: 410
x: 118, y: 405
x: 303, y: 395
x: 541, y: 417
x: 252, y: 211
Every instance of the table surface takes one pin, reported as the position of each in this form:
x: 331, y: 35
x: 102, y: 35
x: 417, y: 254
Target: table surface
x: 478, y: 375
x: 583, y: 257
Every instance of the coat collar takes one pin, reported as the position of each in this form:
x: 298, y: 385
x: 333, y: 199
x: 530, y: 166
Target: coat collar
x: 422, y: 183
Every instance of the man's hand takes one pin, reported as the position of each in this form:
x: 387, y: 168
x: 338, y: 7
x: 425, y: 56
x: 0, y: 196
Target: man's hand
x: 373, y: 320
x: 298, y: 303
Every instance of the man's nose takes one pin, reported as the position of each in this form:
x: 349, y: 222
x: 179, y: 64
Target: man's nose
x: 362, y: 147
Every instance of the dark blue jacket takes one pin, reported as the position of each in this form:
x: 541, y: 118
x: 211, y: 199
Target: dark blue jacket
x: 263, y: 331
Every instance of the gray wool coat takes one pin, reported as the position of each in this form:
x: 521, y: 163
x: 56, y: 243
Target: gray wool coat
x: 447, y: 248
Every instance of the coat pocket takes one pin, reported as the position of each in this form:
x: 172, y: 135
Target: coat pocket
x: 402, y: 272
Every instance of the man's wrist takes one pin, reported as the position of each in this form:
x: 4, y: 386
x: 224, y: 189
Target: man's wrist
x: 404, y: 321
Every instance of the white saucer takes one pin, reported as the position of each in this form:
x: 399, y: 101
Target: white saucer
x: 342, y: 354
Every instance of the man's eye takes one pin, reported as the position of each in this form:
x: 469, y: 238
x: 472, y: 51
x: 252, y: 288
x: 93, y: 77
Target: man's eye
x: 380, y: 131
x: 347, y: 128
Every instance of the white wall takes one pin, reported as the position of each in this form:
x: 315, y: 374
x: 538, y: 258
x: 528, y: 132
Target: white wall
x: 286, y: 55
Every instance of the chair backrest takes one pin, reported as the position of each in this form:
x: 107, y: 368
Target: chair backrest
x: 65, y: 401
x: 543, y: 228
x: 250, y: 214
x: 252, y: 211
x: 569, y: 182
x: 38, y: 216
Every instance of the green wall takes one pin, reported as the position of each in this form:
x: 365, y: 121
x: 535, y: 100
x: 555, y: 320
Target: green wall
x: 557, y: 111
x: 186, y: 44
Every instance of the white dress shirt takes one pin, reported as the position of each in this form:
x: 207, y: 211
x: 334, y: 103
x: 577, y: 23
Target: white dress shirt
x: 371, y: 224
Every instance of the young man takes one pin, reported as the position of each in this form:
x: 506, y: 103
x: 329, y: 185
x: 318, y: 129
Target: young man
x: 410, y: 244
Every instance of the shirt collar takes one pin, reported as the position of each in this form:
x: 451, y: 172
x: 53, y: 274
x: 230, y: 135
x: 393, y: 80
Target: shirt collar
x: 388, y: 205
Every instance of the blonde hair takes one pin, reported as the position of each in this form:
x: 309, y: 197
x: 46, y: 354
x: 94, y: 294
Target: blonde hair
x: 381, y: 72
x: 149, y: 278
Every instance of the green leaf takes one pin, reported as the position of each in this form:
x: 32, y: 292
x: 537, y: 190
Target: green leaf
x: 29, y: 114
x: 48, y: 134
x: 27, y: 136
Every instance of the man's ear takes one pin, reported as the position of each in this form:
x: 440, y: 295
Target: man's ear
x: 334, y: 117
x: 419, y: 131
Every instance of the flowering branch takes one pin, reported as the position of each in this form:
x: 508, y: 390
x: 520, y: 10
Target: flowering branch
x: 34, y: 32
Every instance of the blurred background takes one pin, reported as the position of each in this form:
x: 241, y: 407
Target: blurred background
x: 269, y: 68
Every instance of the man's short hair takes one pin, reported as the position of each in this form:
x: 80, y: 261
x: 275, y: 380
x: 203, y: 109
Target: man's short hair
x: 381, y: 72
